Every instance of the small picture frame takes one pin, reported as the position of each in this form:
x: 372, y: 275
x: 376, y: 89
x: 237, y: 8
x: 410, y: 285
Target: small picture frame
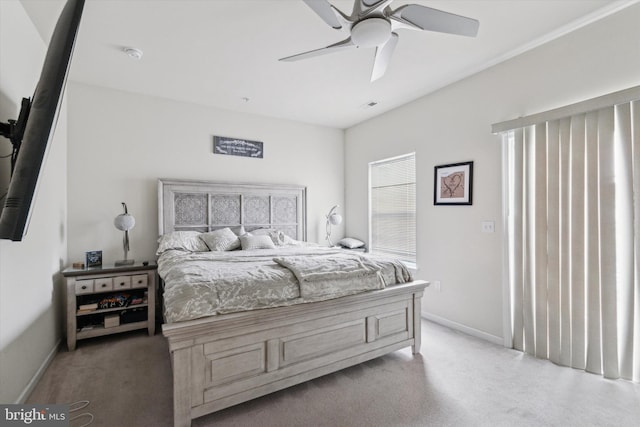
x: 94, y: 259
x: 453, y: 184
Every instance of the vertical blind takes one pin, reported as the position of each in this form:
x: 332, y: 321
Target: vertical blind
x: 392, y: 195
x: 574, y: 239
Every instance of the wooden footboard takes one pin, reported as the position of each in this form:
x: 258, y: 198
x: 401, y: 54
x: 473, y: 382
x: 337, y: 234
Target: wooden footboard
x: 224, y: 360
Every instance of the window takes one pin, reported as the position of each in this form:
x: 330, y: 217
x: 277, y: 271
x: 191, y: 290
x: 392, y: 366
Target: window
x: 392, y: 207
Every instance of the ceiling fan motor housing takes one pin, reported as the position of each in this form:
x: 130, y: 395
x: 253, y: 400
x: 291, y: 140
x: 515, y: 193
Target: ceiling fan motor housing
x: 371, y: 32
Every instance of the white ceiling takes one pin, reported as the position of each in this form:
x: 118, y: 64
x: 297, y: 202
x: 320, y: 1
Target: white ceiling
x: 217, y: 52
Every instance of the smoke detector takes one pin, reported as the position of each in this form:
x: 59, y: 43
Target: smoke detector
x: 132, y: 52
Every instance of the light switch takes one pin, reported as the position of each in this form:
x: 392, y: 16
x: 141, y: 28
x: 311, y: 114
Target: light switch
x: 488, y: 227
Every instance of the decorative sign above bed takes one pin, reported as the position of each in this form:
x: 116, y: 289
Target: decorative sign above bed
x: 237, y: 147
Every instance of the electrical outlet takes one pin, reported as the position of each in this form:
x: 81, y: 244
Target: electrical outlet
x: 488, y: 227
x: 436, y: 285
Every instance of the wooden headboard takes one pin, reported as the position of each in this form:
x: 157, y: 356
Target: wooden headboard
x: 206, y: 206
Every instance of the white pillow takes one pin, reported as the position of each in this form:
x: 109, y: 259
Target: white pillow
x: 278, y: 236
x: 351, y: 243
x: 289, y: 241
x: 249, y: 242
x: 263, y: 231
x: 238, y: 229
x: 181, y: 240
x: 221, y: 240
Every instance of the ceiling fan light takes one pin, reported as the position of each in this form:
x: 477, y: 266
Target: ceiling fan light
x: 371, y: 32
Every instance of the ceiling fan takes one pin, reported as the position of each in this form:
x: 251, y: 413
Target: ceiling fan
x: 373, y: 23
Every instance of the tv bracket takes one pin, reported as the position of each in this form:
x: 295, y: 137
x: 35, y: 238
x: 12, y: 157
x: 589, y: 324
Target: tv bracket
x: 14, y: 130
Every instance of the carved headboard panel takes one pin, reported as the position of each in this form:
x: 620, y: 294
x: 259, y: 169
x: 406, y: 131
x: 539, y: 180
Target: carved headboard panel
x: 206, y: 206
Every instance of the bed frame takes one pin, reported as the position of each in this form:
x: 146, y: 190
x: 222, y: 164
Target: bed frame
x: 224, y: 360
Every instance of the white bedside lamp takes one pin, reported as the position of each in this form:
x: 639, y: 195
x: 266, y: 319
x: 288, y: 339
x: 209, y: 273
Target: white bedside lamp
x: 125, y: 222
x: 333, y: 218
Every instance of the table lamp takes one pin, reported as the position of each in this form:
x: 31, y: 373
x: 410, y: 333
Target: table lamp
x: 125, y: 222
x: 333, y: 218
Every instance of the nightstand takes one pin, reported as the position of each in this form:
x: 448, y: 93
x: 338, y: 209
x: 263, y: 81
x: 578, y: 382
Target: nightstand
x: 108, y: 300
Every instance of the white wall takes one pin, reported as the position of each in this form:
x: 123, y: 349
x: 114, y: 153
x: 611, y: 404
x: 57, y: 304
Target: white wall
x: 453, y: 125
x: 121, y: 143
x: 30, y: 282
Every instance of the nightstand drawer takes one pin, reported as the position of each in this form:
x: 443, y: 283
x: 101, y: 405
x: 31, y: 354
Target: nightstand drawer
x: 103, y: 284
x: 139, y: 281
x: 84, y: 286
x: 121, y: 282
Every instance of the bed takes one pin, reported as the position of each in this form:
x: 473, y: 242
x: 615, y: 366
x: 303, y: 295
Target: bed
x: 227, y: 347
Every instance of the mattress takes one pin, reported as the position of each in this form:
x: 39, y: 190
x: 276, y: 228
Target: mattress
x: 201, y: 284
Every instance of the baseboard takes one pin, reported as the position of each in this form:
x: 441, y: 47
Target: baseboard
x: 462, y: 328
x: 39, y: 373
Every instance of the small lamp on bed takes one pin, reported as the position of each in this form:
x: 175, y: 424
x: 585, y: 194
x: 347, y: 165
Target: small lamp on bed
x: 333, y: 218
x: 125, y: 222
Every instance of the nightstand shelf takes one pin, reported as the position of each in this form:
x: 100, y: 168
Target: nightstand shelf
x: 109, y: 310
x: 99, y: 331
x: 90, y: 286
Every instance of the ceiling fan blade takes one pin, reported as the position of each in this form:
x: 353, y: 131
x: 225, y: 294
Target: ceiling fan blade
x: 325, y: 11
x: 436, y: 20
x: 336, y: 47
x: 383, y: 57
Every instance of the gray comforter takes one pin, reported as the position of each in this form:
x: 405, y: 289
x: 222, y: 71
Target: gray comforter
x: 200, y: 284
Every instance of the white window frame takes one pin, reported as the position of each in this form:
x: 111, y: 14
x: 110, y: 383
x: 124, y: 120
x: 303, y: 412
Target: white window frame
x: 410, y: 261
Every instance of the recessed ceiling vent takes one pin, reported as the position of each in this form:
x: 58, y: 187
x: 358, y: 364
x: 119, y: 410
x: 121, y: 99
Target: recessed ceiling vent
x: 369, y: 104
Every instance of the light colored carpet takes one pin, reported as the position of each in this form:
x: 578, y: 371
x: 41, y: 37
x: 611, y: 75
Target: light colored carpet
x: 457, y: 381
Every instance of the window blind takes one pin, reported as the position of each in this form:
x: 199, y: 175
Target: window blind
x: 392, y: 195
x: 574, y: 244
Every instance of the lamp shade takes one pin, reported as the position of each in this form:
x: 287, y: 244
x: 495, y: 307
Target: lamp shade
x: 124, y: 222
x: 335, y: 219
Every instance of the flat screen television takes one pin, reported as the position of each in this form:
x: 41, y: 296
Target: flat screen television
x: 32, y: 132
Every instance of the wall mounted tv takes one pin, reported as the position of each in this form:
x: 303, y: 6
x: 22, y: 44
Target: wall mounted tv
x: 32, y: 132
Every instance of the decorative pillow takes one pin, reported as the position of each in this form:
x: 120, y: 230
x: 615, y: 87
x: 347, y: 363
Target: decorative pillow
x: 221, y: 240
x: 351, y: 243
x: 250, y: 241
x: 286, y: 240
x: 278, y: 236
x: 238, y: 230
x: 181, y: 240
x: 262, y: 231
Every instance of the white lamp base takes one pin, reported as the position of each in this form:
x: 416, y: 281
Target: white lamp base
x: 124, y: 262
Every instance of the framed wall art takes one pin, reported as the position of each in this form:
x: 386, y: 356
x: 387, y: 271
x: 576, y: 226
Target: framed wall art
x: 453, y: 184
x: 238, y: 147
